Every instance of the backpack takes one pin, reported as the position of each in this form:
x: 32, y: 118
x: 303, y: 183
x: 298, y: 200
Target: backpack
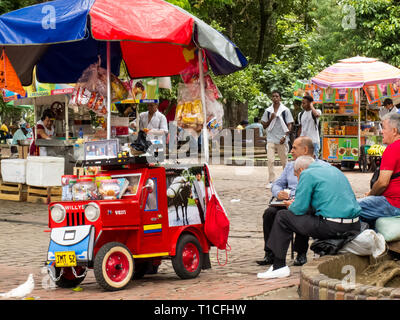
x: 375, y: 176
x: 313, y: 116
x: 283, y: 116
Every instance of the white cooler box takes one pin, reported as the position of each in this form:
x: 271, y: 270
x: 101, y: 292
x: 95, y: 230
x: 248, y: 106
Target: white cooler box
x: 13, y: 170
x: 44, y: 171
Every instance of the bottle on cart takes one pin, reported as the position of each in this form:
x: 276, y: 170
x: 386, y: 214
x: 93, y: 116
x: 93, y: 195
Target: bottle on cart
x: 81, y: 133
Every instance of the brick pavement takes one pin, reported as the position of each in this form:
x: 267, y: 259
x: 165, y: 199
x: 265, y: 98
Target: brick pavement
x: 23, y: 247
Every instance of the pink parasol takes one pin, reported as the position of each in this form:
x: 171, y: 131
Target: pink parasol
x: 356, y: 72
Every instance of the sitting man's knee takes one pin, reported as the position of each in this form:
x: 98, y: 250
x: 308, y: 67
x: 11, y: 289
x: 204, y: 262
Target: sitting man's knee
x: 283, y: 215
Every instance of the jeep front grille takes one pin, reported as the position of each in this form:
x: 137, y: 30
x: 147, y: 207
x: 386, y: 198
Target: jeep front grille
x: 75, y: 218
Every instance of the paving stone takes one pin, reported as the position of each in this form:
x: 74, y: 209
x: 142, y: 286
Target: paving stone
x: 24, y: 244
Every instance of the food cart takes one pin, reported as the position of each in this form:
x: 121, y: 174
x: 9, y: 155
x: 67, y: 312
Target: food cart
x: 128, y: 219
x: 350, y: 93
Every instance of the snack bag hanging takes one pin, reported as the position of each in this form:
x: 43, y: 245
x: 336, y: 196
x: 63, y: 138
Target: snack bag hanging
x: 395, y: 89
x: 299, y: 90
x: 384, y: 91
x: 329, y: 95
x: 189, y: 111
x: 372, y: 93
x: 317, y: 94
x: 342, y: 96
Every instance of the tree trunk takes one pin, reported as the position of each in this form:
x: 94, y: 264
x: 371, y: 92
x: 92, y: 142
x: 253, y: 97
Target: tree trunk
x: 267, y: 8
x: 234, y: 112
x: 261, y: 37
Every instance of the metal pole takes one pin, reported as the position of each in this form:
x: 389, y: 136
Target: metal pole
x: 203, y: 102
x: 108, y: 92
x: 66, y: 119
x: 359, y: 120
x: 35, y: 117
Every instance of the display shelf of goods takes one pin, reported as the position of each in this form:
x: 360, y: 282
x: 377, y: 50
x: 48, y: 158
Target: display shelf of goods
x: 370, y: 115
x: 340, y: 110
x: 336, y: 128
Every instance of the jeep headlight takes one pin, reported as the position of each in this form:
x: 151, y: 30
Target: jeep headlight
x: 92, y: 212
x: 57, y: 213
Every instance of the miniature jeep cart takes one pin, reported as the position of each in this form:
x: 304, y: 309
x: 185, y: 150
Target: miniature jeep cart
x: 121, y: 239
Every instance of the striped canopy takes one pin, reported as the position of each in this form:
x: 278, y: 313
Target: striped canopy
x: 153, y: 37
x: 355, y: 73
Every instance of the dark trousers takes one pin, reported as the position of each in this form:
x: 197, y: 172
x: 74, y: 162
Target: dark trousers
x: 300, y: 243
x: 286, y: 222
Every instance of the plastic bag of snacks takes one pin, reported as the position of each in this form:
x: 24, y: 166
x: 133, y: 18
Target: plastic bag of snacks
x: 84, y: 189
x: 215, y: 114
x: 91, y: 89
x: 118, y: 90
x: 109, y: 189
x: 189, y: 112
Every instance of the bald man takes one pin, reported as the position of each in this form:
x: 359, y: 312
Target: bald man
x: 302, y: 146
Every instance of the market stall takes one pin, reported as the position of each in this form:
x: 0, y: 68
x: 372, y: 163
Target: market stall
x: 171, y: 42
x: 351, y: 93
x: 164, y: 44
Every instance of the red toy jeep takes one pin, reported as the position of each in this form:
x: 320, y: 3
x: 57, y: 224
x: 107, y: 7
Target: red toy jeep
x: 160, y: 216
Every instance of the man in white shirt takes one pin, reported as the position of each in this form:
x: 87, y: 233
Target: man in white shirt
x: 278, y: 121
x: 308, y: 120
x: 387, y: 108
x: 154, y: 121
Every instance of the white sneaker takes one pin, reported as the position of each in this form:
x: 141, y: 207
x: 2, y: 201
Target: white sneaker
x: 269, y: 185
x: 278, y: 273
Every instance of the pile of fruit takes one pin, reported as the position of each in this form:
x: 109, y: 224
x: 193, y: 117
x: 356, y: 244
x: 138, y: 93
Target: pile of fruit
x: 376, y: 150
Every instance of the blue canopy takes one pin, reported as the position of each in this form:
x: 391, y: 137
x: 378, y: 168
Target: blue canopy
x: 57, y: 38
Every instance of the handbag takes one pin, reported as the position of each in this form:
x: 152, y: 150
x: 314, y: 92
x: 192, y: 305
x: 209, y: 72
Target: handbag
x: 216, y: 226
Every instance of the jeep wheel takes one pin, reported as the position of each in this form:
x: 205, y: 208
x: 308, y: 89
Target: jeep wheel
x: 113, y: 266
x: 68, y: 279
x: 189, y: 257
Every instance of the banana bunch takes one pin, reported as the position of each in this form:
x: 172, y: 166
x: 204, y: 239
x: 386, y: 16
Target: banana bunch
x: 376, y: 150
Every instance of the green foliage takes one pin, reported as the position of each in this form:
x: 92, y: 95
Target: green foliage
x: 240, y: 86
x: 375, y: 32
x: 11, y: 5
x: 8, y: 113
x: 300, y: 39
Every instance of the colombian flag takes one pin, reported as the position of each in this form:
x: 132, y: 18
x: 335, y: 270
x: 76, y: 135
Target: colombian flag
x: 152, y: 228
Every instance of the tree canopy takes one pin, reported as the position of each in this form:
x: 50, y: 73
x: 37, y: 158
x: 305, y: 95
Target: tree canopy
x: 286, y: 40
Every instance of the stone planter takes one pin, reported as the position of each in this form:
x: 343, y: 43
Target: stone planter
x: 327, y: 278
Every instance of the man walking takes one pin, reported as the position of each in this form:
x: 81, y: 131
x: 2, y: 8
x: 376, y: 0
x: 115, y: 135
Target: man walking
x: 308, y: 120
x: 278, y: 121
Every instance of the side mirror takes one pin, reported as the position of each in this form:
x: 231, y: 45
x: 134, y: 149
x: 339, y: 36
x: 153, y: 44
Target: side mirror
x: 149, y: 185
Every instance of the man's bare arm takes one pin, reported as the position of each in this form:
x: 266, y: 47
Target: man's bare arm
x: 381, y: 184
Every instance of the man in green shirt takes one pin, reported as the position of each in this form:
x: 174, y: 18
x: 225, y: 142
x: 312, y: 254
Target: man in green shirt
x: 328, y: 192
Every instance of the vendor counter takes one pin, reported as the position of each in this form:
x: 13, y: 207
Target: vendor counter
x: 67, y: 150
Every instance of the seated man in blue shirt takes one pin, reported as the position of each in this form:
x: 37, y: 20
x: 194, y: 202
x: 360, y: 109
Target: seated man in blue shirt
x: 301, y: 146
x: 256, y: 125
x: 328, y: 192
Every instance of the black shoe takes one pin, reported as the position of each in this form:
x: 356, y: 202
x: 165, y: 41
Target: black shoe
x: 268, y: 259
x: 300, y: 260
